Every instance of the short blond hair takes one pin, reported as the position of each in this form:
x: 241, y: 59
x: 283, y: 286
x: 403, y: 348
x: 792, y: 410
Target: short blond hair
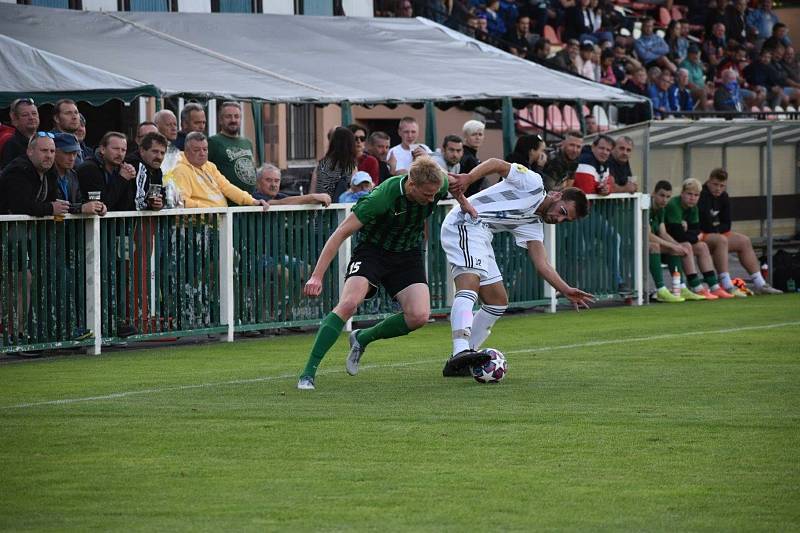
x: 425, y: 170
x: 472, y: 126
x: 691, y: 185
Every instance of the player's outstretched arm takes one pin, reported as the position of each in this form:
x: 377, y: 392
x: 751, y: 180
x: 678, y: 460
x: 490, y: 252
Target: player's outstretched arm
x: 466, y: 207
x: 538, y: 256
x: 350, y: 225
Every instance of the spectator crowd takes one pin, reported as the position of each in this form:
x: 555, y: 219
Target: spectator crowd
x: 684, y: 55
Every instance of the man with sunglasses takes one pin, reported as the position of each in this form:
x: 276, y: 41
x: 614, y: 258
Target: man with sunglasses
x: 25, y: 119
x: 519, y: 205
x: 24, y: 188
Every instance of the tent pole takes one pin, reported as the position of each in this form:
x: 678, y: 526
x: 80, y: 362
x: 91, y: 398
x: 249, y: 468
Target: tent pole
x: 430, y: 124
x: 646, y: 160
x: 508, y: 125
x: 181, y: 103
x: 769, y: 202
x: 212, y: 116
x: 347, y: 113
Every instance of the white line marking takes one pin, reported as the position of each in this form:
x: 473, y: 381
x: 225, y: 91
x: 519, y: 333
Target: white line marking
x: 126, y: 394
x: 654, y: 337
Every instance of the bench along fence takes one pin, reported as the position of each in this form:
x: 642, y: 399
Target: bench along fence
x: 88, y: 281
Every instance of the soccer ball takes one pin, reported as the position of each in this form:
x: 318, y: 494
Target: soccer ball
x: 493, y: 370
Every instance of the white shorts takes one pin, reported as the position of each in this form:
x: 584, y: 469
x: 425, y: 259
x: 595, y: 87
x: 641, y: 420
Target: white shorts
x: 468, y: 247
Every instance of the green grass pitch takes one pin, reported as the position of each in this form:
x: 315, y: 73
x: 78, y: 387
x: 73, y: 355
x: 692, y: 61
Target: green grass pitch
x: 662, y: 418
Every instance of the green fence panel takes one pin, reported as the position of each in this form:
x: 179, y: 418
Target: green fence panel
x: 596, y: 253
x: 42, y: 282
x: 274, y: 254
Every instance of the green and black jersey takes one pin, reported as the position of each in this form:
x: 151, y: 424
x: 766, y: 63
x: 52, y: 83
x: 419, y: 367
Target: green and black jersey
x: 656, y: 219
x: 674, y: 217
x: 392, y: 221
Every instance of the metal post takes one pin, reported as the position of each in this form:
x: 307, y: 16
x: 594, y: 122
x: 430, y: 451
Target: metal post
x: 509, y: 138
x: 226, y: 274
x: 761, y: 184
x: 344, y: 260
x: 646, y: 160
x: 94, y: 313
x: 430, y: 125
x: 725, y: 156
x: 347, y: 113
x: 212, y: 117
x: 142, y: 101
x: 181, y: 102
x: 687, y: 161
x: 550, y: 246
x: 769, y: 202
x: 640, y: 207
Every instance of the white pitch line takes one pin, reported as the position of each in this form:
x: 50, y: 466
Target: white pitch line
x: 654, y: 337
x: 126, y: 394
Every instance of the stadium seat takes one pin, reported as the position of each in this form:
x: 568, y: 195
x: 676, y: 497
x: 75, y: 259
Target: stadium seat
x: 551, y: 35
x: 571, y: 119
x: 601, y: 117
x: 664, y: 18
x: 778, y: 109
x: 676, y: 13
x: 555, y: 122
x: 530, y: 118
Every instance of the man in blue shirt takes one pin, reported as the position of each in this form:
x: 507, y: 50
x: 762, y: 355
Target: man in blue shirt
x: 651, y: 48
x: 663, y: 101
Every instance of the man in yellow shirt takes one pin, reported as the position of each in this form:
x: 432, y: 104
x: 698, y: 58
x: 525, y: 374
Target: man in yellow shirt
x: 199, y: 181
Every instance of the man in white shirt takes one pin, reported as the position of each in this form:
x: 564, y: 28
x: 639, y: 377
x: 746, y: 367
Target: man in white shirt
x: 517, y: 204
x: 450, y: 156
x: 401, y: 155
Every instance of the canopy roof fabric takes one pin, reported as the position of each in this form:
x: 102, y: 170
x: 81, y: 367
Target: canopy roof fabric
x: 719, y: 132
x: 279, y: 58
x: 48, y: 77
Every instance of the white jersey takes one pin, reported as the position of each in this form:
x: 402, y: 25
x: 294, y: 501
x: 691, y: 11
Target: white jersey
x: 404, y: 158
x: 509, y: 205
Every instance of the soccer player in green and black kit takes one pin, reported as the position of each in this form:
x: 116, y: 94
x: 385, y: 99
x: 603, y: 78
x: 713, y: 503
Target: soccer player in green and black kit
x: 391, y: 221
x: 682, y: 220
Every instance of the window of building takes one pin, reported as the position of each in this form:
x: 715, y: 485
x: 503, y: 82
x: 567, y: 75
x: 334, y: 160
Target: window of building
x: 236, y: 6
x: 301, y: 132
x: 63, y: 4
x: 148, y: 5
x: 325, y: 8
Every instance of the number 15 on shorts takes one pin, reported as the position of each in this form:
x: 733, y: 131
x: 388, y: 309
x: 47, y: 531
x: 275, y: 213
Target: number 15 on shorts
x: 354, y: 266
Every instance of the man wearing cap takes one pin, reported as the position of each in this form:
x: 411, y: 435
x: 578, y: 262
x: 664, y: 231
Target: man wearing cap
x: 64, y: 180
x: 360, y: 186
x: 25, y: 119
x: 268, y: 188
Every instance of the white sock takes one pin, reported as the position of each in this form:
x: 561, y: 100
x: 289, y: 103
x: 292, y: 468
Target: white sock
x: 683, y: 285
x: 485, y: 318
x: 461, y: 319
x: 725, y: 280
x: 758, y: 280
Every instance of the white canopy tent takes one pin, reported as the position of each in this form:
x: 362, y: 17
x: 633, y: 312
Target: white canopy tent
x: 278, y: 58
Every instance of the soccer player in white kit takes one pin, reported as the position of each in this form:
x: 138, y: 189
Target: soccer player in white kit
x: 517, y: 204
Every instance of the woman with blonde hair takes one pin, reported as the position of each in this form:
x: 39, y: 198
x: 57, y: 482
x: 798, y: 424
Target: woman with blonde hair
x: 473, y: 139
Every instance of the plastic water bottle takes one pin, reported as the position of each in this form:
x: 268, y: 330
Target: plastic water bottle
x: 676, y: 282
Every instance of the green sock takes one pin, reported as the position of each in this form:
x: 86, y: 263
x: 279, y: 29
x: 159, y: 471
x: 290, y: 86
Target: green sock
x: 328, y: 332
x: 655, y: 270
x: 674, y: 261
x: 695, y: 280
x: 711, y: 278
x: 394, y: 326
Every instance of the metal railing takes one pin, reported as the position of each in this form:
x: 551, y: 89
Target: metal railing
x: 86, y: 281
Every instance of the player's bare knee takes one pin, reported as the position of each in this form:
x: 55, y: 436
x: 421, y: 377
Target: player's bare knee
x: 417, y: 318
x: 346, y: 308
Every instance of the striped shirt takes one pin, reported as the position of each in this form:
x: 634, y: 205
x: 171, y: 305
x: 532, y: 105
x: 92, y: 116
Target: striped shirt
x: 391, y: 220
x: 590, y: 173
x: 509, y: 205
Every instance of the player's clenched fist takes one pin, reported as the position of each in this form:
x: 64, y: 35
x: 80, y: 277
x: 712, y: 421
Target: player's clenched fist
x: 313, y: 287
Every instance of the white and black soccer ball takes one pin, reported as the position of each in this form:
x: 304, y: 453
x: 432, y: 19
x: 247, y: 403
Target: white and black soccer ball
x: 493, y: 370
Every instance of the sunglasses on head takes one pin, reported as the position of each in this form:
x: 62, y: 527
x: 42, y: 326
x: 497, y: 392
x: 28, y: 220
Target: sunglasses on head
x: 45, y: 134
x: 19, y: 101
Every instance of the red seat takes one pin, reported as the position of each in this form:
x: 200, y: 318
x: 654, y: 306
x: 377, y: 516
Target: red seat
x: 555, y: 122
x: 664, y: 18
x: 571, y: 120
x: 551, y: 35
x: 530, y: 119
